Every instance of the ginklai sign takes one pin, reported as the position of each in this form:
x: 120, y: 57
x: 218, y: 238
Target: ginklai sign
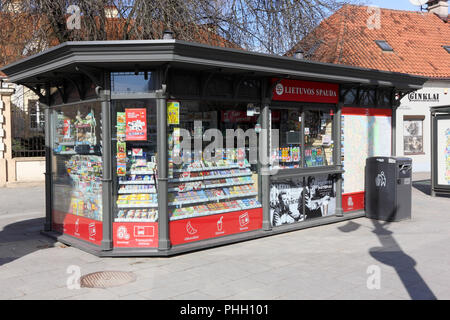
x: 305, y: 91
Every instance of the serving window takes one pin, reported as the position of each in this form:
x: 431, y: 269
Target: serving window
x: 318, y: 138
x: 301, y: 138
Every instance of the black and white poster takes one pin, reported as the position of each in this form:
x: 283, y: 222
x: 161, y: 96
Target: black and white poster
x: 319, y: 196
x: 285, y: 202
x: 413, y: 136
x: 296, y: 200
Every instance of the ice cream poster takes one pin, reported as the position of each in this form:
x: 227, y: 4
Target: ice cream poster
x: 136, y: 124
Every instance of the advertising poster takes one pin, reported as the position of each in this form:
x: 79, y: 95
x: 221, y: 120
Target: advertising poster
x: 135, y: 234
x: 136, y: 124
x: 320, y: 196
x: 413, y: 136
x: 286, y: 205
x: 213, y: 226
x: 443, y: 151
x: 173, y: 112
x: 317, y: 194
x: 366, y: 132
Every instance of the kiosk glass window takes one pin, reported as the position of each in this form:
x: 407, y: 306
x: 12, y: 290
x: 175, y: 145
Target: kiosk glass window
x: 131, y: 82
x: 134, y: 161
x: 318, y: 138
x: 77, y: 169
x: 213, y: 181
x: 286, y: 152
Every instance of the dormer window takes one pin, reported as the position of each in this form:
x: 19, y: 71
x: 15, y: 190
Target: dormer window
x: 384, y: 45
x: 447, y: 48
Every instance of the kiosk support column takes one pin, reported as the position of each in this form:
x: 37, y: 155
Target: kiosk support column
x: 48, y: 164
x: 104, y: 96
x: 163, y: 218
x: 338, y: 159
x: 265, y: 170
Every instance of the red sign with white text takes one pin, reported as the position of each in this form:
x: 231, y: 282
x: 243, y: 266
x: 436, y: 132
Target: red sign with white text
x: 136, y: 124
x: 217, y: 225
x: 135, y: 234
x: 305, y: 91
x: 79, y: 227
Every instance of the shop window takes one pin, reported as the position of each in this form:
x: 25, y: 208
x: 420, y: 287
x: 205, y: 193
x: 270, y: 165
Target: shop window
x: 413, y: 135
x: 204, y: 181
x: 318, y: 138
x: 130, y: 82
x: 77, y: 171
x: 134, y: 151
x: 287, y: 152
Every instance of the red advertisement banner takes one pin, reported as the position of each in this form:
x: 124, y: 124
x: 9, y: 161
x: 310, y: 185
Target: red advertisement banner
x: 79, y: 227
x: 201, y: 228
x: 374, y: 112
x: 353, y: 201
x: 135, y: 234
x: 136, y: 124
x: 305, y: 91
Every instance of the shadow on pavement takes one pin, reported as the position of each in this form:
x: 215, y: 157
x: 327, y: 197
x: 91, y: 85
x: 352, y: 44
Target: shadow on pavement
x: 390, y: 253
x: 22, y: 238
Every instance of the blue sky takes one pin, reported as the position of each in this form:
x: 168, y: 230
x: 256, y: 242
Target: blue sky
x: 393, y: 4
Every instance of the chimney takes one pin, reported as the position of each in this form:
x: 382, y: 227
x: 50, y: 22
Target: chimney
x: 299, y: 54
x: 111, y: 12
x: 439, y: 7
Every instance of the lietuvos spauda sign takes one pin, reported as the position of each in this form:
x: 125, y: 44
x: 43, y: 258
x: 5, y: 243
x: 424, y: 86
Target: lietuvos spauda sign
x: 305, y: 91
x: 423, y: 97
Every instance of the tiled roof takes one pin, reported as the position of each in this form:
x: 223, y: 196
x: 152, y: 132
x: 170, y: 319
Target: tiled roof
x: 417, y: 39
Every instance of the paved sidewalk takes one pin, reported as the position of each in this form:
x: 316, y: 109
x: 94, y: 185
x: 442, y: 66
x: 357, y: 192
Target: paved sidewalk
x: 336, y: 261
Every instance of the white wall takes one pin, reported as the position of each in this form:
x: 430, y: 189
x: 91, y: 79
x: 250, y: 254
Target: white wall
x: 421, y: 163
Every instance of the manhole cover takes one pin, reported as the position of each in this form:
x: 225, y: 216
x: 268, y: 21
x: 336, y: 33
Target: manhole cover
x: 106, y: 279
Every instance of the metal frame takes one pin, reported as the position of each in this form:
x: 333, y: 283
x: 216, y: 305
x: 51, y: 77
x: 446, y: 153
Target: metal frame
x: 437, y: 113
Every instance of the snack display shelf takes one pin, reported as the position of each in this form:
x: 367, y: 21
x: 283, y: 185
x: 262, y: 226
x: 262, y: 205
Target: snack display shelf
x: 136, y: 191
x: 212, y: 168
x: 141, y: 172
x: 210, y: 213
x: 137, y: 182
x: 141, y: 205
x: 212, y: 177
x: 65, y: 152
x: 221, y: 185
x: 69, y: 143
x: 227, y: 197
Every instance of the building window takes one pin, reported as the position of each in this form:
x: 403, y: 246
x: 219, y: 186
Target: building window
x: 384, y: 45
x: 413, y: 135
x: 36, y: 115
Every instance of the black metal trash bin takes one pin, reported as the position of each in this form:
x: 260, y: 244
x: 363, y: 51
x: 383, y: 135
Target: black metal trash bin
x: 388, y: 188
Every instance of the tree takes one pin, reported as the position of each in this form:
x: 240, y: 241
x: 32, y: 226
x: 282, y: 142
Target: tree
x: 268, y: 26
